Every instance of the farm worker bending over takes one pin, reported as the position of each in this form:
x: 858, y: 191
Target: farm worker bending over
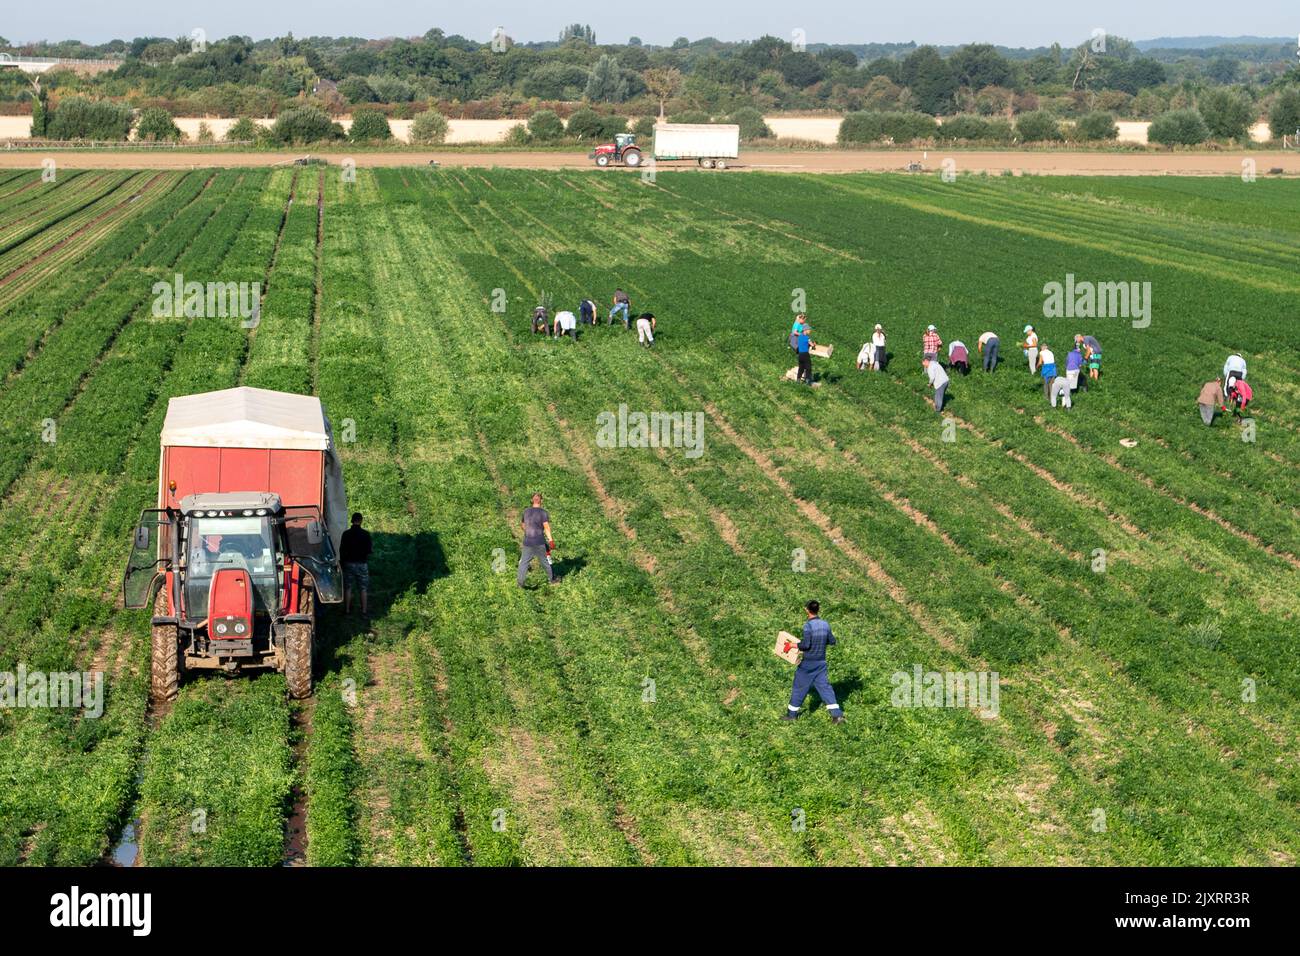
x: 864, y: 356
x: 878, y: 345
x: 645, y: 329
x: 811, y: 672
x: 566, y: 324
x: 1210, y: 400
x: 354, y: 555
x: 1091, y: 350
x: 1073, y: 364
x: 541, y: 321
x: 587, y: 312
x: 1234, y: 368
x: 804, y: 342
x: 1030, y: 348
x: 800, y: 321
x: 938, y: 381
x: 1239, y: 396
x: 1061, y: 389
x: 621, y: 304
x: 538, y: 542
x: 989, y: 349
x: 958, y: 357
x: 1047, y: 367
x: 930, y: 343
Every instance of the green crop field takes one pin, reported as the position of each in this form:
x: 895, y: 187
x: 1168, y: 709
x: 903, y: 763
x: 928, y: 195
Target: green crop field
x: 1138, y: 604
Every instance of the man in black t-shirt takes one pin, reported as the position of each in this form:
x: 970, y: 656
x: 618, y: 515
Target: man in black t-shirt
x: 537, y: 543
x: 354, y: 553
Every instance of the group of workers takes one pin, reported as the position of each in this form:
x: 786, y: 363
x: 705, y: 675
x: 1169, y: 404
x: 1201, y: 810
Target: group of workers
x: 566, y: 323
x: 1232, y: 392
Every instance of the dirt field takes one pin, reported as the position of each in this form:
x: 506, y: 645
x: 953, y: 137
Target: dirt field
x: 831, y: 161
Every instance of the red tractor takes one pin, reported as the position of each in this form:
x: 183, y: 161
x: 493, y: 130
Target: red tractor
x: 623, y: 150
x: 243, y: 546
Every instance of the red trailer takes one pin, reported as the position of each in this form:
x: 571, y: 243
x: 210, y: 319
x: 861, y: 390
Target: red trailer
x: 244, y: 542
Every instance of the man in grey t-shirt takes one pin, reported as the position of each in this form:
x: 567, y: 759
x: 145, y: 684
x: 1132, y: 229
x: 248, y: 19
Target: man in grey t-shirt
x: 537, y: 541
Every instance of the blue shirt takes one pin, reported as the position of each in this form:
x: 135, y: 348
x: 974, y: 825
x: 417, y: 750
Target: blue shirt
x: 1074, y: 361
x: 817, y: 637
x: 804, y: 342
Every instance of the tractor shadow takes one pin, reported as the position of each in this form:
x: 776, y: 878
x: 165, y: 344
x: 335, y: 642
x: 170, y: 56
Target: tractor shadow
x: 402, y: 564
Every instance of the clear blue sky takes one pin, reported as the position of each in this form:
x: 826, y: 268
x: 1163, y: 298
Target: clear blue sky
x: 1009, y: 22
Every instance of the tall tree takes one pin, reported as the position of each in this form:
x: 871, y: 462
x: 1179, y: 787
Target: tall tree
x: 606, y: 84
x: 663, y: 84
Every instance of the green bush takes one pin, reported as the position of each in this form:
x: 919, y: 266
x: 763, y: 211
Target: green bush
x: 392, y: 89
x: 964, y: 127
x: 1178, y: 128
x: 1227, y: 113
x: 1284, y: 117
x: 585, y: 124
x: 518, y: 135
x: 870, y: 127
x: 156, y: 125
x: 751, y: 123
x: 80, y: 118
x: 369, y: 126
x: 1000, y: 130
x: 1096, y: 126
x: 243, y: 130
x: 545, y: 126
x: 355, y: 89
x: 644, y: 128
x: 305, y: 124
x: 690, y: 116
x: 1038, y: 126
x: 429, y: 128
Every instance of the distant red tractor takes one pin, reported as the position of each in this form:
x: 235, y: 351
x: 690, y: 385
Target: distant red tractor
x: 623, y: 150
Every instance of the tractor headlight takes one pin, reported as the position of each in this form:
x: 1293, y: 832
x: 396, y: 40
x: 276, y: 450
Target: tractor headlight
x: 240, y: 627
x: 221, y: 627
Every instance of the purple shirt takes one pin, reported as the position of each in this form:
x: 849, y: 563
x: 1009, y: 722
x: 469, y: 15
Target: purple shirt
x: 1074, y: 361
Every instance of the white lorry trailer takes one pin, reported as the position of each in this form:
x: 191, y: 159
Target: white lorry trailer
x: 712, y: 145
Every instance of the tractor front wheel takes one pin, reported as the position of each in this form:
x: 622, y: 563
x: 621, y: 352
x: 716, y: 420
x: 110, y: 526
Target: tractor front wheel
x: 632, y: 157
x: 602, y: 160
x: 165, y: 664
x: 298, y: 640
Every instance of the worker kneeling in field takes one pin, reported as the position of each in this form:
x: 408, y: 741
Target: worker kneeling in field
x: 958, y: 357
x: 538, y: 542
x: 645, y: 329
x: 1061, y: 389
x: 1210, y: 400
x: 1239, y: 396
x: 566, y: 323
x: 811, y: 674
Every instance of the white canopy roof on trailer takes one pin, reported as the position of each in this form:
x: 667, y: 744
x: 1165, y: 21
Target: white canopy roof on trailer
x: 246, y: 418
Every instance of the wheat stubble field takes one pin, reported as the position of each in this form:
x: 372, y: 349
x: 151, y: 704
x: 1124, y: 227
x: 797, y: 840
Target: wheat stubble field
x: 474, y: 723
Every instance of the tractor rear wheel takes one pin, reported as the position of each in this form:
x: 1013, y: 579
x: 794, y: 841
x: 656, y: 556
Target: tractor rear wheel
x: 165, y: 665
x: 632, y: 157
x: 298, y: 640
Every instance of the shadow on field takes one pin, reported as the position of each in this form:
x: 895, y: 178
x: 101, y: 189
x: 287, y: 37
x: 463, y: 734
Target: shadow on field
x: 401, y: 564
x: 844, y: 689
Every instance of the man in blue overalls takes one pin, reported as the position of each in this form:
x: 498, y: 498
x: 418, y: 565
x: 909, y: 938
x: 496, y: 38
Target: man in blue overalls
x: 811, y: 672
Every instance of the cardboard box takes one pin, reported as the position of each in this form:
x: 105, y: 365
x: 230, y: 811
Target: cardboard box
x: 787, y: 648
x: 821, y: 351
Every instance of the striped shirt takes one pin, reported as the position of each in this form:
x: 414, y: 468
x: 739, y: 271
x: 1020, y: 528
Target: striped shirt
x: 817, y: 637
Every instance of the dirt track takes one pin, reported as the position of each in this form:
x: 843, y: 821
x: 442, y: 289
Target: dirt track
x: 829, y: 161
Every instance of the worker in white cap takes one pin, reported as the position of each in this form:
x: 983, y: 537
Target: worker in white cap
x: 878, y: 348
x: 1030, y: 348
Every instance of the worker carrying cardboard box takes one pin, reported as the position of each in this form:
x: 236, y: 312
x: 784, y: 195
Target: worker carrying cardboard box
x: 811, y: 673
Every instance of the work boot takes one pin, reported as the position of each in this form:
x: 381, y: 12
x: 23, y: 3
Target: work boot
x: 790, y: 715
x: 838, y: 720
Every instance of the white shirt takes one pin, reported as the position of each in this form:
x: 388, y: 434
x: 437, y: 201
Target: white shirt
x: 864, y: 356
x: 956, y: 343
x: 1235, y: 363
x: 1046, y: 357
x: 566, y: 320
x: 878, y: 339
x: 984, y: 339
x: 1031, y: 340
x: 936, y: 375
